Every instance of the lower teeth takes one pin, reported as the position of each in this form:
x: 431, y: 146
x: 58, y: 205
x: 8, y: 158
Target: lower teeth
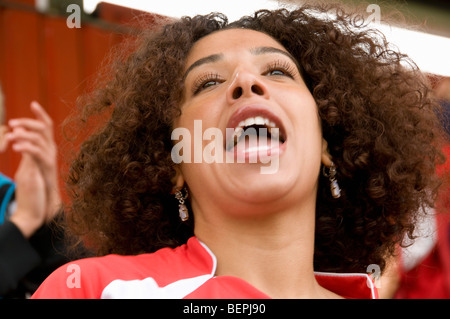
x: 263, y: 135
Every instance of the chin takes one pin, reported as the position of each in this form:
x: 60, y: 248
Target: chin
x: 248, y: 184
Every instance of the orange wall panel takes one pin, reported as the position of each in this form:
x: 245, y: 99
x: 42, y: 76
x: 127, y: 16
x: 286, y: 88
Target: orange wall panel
x: 22, y: 79
x: 42, y: 59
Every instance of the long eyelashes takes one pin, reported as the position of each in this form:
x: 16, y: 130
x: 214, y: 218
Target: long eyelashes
x: 280, y: 67
x: 204, y: 81
x: 275, y: 68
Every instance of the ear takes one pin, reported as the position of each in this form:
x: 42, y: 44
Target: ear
x: 177, y: 180
x: 326, y: 157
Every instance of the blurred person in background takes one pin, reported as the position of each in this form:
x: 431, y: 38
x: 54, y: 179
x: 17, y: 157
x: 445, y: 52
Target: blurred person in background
x: 422, y: 270
x: 29, y: 247
x: 425, y: 266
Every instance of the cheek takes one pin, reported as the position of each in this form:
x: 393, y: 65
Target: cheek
x: 208, y: 106
x: 311, y: 136
x: 303, y: 111
x: 206, y: 112
x: 307, y: 130
x: 190, y: 134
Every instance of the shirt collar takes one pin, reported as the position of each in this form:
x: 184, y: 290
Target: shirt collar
x: 347, y: 285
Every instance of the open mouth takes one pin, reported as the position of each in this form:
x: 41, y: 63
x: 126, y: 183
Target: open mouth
x: 254, y: 131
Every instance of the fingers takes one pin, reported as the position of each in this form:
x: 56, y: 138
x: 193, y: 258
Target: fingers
x: 31, y: 149
x: 37, y: 131
x: 43, y: 124
x: 29, y: 124
x: 40, y: 113
x: 32, y: 143
x: 34, y: 137
x: 19, y: 135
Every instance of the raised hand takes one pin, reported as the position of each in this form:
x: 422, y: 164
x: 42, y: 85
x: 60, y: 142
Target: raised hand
x: 37, y: 175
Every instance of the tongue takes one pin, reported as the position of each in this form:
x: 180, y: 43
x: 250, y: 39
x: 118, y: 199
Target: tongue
x: 253, y: 143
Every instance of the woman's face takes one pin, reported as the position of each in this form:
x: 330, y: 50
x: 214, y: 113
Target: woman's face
x: 255, y: 135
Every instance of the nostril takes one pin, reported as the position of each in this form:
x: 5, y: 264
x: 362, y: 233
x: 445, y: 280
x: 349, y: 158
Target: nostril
x: 257, y: 89
x: 237, y: 93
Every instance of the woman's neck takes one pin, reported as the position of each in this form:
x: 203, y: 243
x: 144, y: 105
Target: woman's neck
x: 274, y: 253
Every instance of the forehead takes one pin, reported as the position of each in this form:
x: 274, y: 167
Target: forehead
x: 224, y: 41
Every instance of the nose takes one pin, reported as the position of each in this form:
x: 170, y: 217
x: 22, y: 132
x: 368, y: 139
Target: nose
x: 246, y: 84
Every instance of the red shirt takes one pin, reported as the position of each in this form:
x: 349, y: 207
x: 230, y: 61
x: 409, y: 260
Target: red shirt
x: 183, y: 272
x: 430, y: 276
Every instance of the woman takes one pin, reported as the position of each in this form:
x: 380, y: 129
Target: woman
x: 353, y: 133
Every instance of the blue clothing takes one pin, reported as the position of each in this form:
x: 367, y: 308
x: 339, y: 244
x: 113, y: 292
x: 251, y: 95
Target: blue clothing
x: 25, y: 263
x: 7, y: 188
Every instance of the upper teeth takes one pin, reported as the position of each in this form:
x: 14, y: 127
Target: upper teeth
x: 257, y: 120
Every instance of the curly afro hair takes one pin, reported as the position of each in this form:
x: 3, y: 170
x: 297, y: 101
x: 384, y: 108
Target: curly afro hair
x: 377, y: 113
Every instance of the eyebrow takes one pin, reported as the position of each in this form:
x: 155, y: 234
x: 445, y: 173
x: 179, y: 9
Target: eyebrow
x: 255, y: 51
x: 267, y: 50
x: 209, y: 59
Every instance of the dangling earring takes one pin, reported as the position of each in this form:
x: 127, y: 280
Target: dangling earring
x: 334, y: 186
x: 182, y: 209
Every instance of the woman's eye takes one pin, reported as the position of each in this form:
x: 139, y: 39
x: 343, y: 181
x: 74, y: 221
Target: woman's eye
x: 209, y: 83
x: 205, y: 82
x: 276, y: 72
x: 280, y: 68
